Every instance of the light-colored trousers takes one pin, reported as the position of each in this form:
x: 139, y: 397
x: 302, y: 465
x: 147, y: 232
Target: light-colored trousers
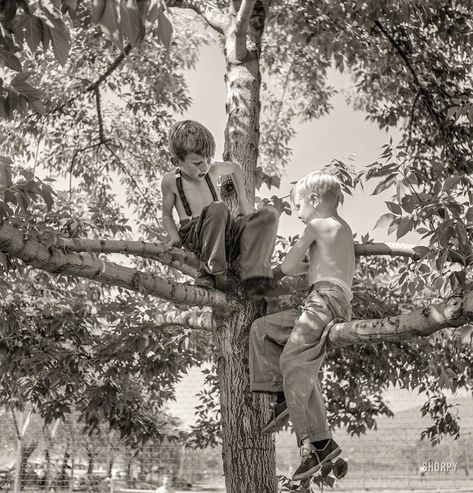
x: 287, y: 350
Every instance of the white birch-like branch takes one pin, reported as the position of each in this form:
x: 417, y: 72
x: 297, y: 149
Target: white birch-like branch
x: 56, y: 261
x: 236, y: 38
x: 206, y: 9
x: 454, y: 312
x: 190, y: 319
x: 182, y: 260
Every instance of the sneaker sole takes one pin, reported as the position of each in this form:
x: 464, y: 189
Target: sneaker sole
x: 277, y: 423
x: 311, y: 472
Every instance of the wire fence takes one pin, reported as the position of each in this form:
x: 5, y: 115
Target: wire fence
x: 60, y: 458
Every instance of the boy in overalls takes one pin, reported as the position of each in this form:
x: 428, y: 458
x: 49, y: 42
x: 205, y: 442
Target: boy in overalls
x: 206, y: 226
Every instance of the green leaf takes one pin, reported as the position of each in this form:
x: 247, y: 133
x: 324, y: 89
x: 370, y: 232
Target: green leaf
x: 34, y: 32
x: 469, y: 215
x: 405, y: 225
x: 10, y: 60
x: 385, y: 184
x: 131, y: 21
x: 109, y: 23
x: 60, y: 37
x: 385, y: 220
x: 164, y: 28
x: 451, y: 181
x: 394, y: 208
x: 97, y: 9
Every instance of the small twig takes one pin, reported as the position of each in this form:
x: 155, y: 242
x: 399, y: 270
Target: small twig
x: 99, y: 113
x: 112, y: 67
x: 411, y: 119
x: 132, y: 178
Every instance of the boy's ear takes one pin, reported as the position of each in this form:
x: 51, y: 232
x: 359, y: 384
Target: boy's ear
x: 314, y: 199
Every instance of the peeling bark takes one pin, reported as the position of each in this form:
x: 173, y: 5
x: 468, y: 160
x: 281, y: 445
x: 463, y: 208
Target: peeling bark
x: 454, y: 312
x: 89, y: 266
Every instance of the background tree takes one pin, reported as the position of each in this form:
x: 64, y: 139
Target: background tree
x: 405, y: 76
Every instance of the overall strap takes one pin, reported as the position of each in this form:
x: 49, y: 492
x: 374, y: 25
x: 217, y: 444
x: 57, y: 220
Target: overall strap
x: 211, y: 186
x: 181, y: 193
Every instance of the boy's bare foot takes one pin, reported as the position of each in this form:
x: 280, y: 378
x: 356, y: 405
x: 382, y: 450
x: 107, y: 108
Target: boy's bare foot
x: 313, y: 459
x: 279, y: 419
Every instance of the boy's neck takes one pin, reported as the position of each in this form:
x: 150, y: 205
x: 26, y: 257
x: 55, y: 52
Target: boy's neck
x: 324, y: 212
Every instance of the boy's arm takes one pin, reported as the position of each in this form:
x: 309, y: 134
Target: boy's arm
x: 229, y: 168
x: 168, y: 220
x: 293, y: 264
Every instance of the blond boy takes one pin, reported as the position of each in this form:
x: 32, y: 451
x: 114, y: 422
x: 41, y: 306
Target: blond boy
x: 287, y: 349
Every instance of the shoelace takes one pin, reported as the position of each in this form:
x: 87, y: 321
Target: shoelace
x: 306, y: 452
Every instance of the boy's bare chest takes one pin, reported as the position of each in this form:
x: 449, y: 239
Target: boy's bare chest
x: 197, y: 194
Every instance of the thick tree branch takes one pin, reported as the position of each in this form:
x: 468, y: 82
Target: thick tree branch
x: 209, y: 11
x: 181, y: 260
x: 399, y: 250
x: 454, y: 312
x: 89, y: 266
x: 236, y: 39
x: 190, y: 319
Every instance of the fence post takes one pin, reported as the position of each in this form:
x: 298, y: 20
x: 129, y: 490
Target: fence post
x: 19, y: 453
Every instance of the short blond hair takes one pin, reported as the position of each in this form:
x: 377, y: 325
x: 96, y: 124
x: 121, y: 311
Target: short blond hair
x: 325, y: 185
x: 188, y: 136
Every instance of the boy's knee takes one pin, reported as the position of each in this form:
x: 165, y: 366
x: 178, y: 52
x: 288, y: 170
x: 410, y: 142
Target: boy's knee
x: 270, y: 212
x: 217, y: 208
x: 257, y: 329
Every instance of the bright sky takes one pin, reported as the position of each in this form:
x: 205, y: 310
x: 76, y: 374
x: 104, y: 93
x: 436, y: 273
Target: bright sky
x: 341, y: 134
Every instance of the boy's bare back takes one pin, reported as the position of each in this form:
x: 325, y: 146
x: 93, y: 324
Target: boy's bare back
x: 332, y: 252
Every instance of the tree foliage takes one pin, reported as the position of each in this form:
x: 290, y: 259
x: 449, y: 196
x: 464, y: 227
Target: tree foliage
x: 89, y: 91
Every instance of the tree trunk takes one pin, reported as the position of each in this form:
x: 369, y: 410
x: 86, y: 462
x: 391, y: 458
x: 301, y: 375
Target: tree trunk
x: 248, y: 456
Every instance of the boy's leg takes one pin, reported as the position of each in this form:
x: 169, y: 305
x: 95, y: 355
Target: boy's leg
x: 267, y: 338
x: 206, y: 236
x: 254, y: 236
x: 301, y: 362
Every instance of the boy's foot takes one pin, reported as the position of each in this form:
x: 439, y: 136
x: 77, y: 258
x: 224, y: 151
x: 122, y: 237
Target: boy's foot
x: 221, y: 280
x: 279, y: 419
x: 312, y: 459
x: 257, y: 288
x: 204, y: 280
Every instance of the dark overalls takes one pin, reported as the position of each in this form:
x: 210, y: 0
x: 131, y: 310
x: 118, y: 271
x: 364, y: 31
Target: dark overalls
x: 218, y: 238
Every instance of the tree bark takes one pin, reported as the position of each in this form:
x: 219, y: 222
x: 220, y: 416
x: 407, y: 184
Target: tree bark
x: 248, y: 456
x: 54, y: 260
x: 454, y: 312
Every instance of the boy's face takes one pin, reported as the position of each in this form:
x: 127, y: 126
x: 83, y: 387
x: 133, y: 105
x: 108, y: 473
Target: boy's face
x: 306, y: 208
x: 195, y: 166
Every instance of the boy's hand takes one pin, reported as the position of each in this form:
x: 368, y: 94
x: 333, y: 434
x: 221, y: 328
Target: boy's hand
x: 176, y: 242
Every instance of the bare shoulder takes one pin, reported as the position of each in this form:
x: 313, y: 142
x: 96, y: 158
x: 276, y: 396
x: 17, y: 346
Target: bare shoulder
x: 168, y: 181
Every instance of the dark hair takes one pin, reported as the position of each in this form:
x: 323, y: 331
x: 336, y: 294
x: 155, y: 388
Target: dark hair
x: 190, y: 136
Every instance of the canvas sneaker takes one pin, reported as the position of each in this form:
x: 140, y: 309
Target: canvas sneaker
x: 313, y: 459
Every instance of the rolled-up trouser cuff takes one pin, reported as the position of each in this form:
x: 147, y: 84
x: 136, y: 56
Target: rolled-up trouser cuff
x: 268, y: 388
x: 315, y: 437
